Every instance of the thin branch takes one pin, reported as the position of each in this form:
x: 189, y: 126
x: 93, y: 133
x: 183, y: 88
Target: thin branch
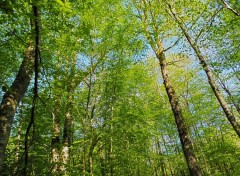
x: 211, y: 21
x: 174, y: 44
x: 173, y: 62
x: 236, y: 73
x: 13, y: 32
x: 227, y: 6
x: 144, y: 18
x: 199, y: 16
x: 224, y: 87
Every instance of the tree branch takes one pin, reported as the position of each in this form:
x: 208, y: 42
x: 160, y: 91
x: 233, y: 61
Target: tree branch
x: 174, y: 44
x: 209, y: 21
x: 227, y: 6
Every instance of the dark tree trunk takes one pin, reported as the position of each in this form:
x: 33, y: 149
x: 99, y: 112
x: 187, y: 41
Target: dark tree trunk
x: 12, y: 98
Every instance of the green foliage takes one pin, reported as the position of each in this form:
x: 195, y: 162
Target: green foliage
x: 96, y: 65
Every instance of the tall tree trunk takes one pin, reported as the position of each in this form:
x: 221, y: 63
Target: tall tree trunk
x: 111, y: 140
x: 181, y: 126
x: 84, y: 164
x: 208, y: 72
x: 55, y: 143
x: 90, y: 160
x: 92, y: 142
x: 35, y: 24
x: 18, y: 143
x: 166, y: 153
x: 183, y: 132
x: 12, y: 98
x: 102, y: 160
x: 65, y: 153
x: 160, y: 153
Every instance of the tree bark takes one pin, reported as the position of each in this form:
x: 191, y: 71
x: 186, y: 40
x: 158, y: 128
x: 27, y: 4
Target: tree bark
x: 183, y: 132
x: 102, y: 160
x: 84, y: 164
x: 111, y: 140
x: 92, y: 142
x: 55, y: 143
x: 186, y: 142
x: 65, y: 153
x: 18, y: 143
x: 12, y: 98
x: 208, y: 72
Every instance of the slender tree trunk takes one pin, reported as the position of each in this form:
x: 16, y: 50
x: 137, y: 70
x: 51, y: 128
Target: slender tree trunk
x: 166, y: 153
x: 92, y: 143
x: 111, y: 141
x: 208, y: 72
x: 183, y: 132
x: 90, y: 155
x: 159, y: 152
x: 84, y: 147
x: 55, y: 144
x: 65, y: 152
x: 171, y: 171
x: 12, y: 98
x: 35, y: 24
x: 181, y: 126
x: 18, y: 145
x: 60, y: 152
x: 102, y: 160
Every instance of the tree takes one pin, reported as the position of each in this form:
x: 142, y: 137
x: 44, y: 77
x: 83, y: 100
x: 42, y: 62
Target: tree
x: 209, y: 74
x: 157, y: 46
x: 119, y: 89
x: 12, y: 98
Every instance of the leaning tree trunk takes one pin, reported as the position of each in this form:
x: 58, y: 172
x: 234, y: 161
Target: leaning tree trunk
x: 176, y: 109
x: 12, y: 98
x: 208, y: 72
x: 183, y: 132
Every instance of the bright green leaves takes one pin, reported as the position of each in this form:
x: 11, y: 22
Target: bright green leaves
x: 63, y: 6
x: 97, y: 52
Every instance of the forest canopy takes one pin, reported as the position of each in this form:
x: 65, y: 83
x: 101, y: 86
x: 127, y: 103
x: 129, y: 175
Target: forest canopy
x: 120, y: 87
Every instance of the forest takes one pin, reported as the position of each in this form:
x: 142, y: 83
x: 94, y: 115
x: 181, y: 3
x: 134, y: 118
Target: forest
x: 120, y: 87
